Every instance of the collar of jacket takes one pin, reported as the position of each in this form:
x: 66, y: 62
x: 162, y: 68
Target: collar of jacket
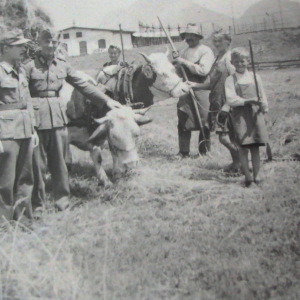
x: 44, y: 61
x: 9, y: 68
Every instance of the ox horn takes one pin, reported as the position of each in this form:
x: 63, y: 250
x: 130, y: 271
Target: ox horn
x: 142, y: 120
x: 146, y: 57
x: 141, y: 111
x: 168, y: 51
x: 101, y: 120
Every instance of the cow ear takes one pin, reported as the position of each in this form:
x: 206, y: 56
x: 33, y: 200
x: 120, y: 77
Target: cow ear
x: 99, y: 132
x: 147, y: 70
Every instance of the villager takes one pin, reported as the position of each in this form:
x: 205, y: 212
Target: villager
x: 17, y: 135
x: 219, y: 118
x: 114, y: 55
x: 197, y: 60
x: 46, y: 74
x: 247, y: 113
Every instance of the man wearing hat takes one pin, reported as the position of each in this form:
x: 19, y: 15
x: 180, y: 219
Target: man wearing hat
x: 46, y: 74
x: 16, y: 131
x: 197, y: 60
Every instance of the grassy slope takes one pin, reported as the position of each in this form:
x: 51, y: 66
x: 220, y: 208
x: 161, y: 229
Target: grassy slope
x: 172, y: 229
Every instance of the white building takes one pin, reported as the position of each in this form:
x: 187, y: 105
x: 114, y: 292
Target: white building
x: 83, y: 40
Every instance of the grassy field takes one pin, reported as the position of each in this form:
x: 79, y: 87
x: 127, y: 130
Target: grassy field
x: 171, y: 229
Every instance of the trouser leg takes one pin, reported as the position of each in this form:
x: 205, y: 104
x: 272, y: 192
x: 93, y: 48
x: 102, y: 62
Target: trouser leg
x: 8, y: 160
x: 24, y: 180
x: 58, y: 149
x: 184, y: 139
x: 204, y: 141
x: 40, y: 169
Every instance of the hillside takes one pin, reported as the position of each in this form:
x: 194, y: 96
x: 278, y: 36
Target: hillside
x: 171, y: 12
x: 270, y: 9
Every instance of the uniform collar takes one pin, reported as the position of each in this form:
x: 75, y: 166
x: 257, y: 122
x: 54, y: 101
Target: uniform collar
x: 44, y: 61
x: 7, y: 67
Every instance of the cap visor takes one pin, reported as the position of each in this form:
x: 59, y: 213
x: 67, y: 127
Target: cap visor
x: 20, y: 42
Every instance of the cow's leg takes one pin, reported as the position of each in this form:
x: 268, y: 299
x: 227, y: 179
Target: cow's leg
x: 97, y: 160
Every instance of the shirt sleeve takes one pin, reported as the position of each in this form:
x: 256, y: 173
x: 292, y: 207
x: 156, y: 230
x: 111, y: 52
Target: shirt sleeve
x: 263, y: 97
x: 205, y: 64
x: 232, y: 99
x: 94, y: 93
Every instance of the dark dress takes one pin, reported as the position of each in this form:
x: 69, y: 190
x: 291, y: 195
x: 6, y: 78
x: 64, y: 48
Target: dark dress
x: 248, y: 121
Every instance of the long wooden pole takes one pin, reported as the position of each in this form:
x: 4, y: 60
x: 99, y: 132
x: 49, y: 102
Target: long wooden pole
x: 269, y: 150
x: 192, y: 93
x: 121, y: 35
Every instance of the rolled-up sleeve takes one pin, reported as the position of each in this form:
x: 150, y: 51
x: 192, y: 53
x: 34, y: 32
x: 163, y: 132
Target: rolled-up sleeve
x: 94, y: 93
x: 232, y: 99
x: 205, y: 64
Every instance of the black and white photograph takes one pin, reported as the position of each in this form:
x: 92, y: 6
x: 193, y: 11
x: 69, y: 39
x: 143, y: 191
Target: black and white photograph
x: 149, y: 150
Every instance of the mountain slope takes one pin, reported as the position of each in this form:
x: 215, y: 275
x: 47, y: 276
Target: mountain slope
x: 170, y: 12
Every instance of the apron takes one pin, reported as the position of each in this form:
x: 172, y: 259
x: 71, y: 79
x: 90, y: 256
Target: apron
x: 248, y: 121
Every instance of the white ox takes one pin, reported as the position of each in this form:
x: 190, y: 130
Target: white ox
x: 120, y: 126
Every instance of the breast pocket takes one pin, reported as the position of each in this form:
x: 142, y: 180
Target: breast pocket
x: 9, y: 90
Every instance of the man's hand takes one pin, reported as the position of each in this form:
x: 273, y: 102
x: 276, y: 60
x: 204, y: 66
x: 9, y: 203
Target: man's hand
x: 1, y: 148
x: 191, y: 84
x: 175, y: 54
x: 253, y: 101
x: 180, y: 60
x: 112, y: 104
x: 35, y: 139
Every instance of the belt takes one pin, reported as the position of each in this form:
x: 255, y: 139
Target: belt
x: 13, y: 106
x: 45, y: 94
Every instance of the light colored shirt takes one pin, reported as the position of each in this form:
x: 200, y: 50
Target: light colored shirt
x: 233, y: 99
x: 201, y: 54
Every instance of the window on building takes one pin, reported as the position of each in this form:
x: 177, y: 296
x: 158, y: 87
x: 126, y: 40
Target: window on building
x: 66, y: 36
x: 78, y: 34
x: 102, y: 44
x: 83, y: 47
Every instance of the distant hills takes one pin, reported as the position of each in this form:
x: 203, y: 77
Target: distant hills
x: 171, y: 12
x: 270, y: 10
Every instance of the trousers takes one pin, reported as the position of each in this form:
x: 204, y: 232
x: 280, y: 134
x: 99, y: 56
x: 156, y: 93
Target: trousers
x: 16, y: 179
x: 51, y: 154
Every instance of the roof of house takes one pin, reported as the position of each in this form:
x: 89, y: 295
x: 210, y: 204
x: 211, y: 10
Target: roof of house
x: 96, y: 29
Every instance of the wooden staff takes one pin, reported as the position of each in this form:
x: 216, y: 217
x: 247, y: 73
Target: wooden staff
x: 192, y: 93
x: 121, y: 35
x: 269, y: 150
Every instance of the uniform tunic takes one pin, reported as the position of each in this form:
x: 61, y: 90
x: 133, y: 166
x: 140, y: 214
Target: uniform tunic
x: 201, y: 59
x: 221, y: 69
x: 45, y: 81
x: 16, y: 129
x: 248, y: 120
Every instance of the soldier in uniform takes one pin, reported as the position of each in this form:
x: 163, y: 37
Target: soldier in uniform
x: 16, y: 131
x: 46, y: 74
x: 197, y: 60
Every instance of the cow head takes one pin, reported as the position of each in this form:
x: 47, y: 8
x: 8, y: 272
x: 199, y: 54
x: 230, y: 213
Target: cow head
x: 167, y: 83
x: 120, y: 127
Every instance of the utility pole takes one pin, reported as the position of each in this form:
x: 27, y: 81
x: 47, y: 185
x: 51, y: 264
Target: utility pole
x: 233, y: 19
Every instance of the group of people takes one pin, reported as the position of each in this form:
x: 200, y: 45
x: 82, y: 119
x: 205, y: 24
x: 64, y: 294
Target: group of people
x: 234, y: 108
x: 33, y: 133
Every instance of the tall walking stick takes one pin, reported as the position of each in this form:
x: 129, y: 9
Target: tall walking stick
x: 192, y: 93
x: 269, y: 151
x: 121, y: 35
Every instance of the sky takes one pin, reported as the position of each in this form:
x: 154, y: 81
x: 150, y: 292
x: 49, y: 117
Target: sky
x: 88, y: 13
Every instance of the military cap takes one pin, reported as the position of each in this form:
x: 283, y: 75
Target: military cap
x: 191, y: 28
x: 49, y: 34
x: 13, y: 37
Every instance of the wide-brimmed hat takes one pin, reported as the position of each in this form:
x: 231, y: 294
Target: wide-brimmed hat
x: 191, y: 29
x: 49, y: 34
x: 13, y: 37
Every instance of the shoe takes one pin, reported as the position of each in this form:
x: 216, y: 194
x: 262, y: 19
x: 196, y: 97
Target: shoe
x: 38, y: 213
x: 231, y: 169
x: 62, y: 204
x: 258, y: 181
x: 181, y: 155
x: 248, y: 183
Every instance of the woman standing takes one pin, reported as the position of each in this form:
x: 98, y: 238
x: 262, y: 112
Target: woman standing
x: 219, y: 116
